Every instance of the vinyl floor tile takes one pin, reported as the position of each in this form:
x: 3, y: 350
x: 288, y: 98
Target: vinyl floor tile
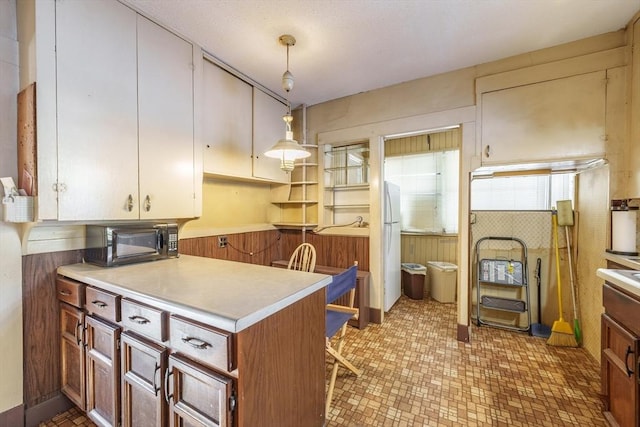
x: 415, y: 373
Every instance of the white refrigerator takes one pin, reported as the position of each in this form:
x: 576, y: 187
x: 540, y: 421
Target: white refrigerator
x: 391, y: 244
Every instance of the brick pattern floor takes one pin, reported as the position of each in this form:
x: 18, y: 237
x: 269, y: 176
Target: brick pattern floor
x: 415, y: 373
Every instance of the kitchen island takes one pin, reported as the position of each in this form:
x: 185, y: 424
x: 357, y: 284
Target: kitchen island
x: 232, y: 343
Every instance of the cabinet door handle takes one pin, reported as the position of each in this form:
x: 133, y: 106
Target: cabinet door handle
x: 487, y: 151
x: 156, y: 389
x: 65, y: 292
x: 139, y: 320
x: 196, y: 343
x: 77, y: 332
x: 99, y: 304
x: 167, y: 395
x: 147, y: 203
x: 626, y: 361
x: 130, y: 203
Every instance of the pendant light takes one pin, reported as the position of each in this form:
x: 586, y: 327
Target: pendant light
x: 287, y: 150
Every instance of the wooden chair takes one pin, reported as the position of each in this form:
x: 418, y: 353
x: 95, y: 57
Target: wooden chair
x: 303, y: 258
x: 337, y: 317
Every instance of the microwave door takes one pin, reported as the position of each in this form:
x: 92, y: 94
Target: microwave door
x: 135, y: 243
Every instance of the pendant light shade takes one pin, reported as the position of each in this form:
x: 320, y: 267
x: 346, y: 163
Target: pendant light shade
x: 287, y: 150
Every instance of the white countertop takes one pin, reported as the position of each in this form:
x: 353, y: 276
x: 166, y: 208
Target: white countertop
x: 225, y: 294
x: 624, y: 279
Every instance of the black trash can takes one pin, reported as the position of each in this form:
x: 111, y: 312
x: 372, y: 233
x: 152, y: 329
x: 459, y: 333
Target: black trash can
x: 413, y: 278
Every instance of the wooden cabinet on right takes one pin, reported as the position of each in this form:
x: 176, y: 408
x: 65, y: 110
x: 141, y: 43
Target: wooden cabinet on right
x: 619, y: 359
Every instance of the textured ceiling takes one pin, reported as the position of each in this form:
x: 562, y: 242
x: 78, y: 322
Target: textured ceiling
x: 350, y: 46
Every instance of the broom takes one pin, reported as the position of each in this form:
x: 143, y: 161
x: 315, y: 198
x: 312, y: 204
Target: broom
x: 565, y: 218
x: 561, y: 332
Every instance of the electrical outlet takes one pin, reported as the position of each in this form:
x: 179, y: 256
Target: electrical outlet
x: 222, y: 241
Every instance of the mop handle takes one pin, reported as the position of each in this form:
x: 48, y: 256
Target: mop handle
x: 554, y: 218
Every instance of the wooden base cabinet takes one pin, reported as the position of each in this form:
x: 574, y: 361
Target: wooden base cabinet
x: 103, y: 371
x: 199, y: 396
x: 144, y: 364
x: 72, y: 354
x: 619, y: 358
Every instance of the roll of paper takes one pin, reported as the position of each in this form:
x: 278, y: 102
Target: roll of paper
x: 623, y: 231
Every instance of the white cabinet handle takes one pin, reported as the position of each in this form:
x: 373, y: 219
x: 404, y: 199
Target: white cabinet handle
x: 487, y: 151
x: 130, y: 203
x: 147, y: 203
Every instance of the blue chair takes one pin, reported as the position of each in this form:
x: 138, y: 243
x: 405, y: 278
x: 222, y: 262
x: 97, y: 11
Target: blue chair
x: 336, y: 324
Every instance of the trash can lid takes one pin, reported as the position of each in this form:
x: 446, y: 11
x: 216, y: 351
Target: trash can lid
x: 441, y: 265
x: 413, y: 266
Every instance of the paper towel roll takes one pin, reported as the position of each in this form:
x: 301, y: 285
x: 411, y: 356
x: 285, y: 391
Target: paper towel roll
x: 623, y: 231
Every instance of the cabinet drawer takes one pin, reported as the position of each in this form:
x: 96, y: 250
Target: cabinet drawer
x: 204, y: 343
x: 622, y: 308
x: 102, y: 303
x: 144, y: 319
x: 70, y: 291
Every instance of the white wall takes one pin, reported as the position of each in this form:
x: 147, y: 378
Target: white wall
x: 10, y: 251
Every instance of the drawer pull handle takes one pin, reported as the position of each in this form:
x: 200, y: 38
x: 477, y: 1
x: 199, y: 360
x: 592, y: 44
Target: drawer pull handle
x: 626, y: 361
x: 167, y: 395
x: 196, y: 343
x: 99, y: 304
x: 65, y: 292
x: 139, y: 320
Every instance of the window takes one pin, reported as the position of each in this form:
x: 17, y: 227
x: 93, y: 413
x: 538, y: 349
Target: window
x: 520, y: 193
x: 429, y: 190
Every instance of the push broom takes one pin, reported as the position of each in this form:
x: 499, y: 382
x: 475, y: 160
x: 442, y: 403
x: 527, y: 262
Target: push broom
x: 561, y: 332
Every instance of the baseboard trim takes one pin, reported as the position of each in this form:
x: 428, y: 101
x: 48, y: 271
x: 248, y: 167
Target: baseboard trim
x: 463, y: 333
x: 375, y: 315
x: 13, y: 417
x: 46, y: 410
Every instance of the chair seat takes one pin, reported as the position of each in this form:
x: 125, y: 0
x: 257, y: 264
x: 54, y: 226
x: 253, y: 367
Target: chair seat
x: 334, y: 321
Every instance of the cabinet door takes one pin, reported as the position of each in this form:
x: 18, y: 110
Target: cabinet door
x: 556, y: 119
x: 634, y: 148
x: 619, y: 376
x: 144, y: 364
x: 268, y: 128
x: 166, y: 119
x: 103, y: 371
x: 199, y: 396
x: 72, y: 354
x: 96, y: 110
x: 227, y: 119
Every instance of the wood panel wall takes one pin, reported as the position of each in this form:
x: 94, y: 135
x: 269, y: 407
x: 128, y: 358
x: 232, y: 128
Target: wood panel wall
x: 41, y: 327
x: 272, y: 245
x: 423, y: 248
x: 332, y: 251
x: 439, y: 141
x: 259, y: 247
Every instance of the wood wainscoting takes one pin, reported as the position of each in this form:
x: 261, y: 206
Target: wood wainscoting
x: 264, y: 247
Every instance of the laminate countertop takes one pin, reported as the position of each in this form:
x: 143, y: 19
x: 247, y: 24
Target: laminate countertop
x: 628, y: 280
x: 225, y: 294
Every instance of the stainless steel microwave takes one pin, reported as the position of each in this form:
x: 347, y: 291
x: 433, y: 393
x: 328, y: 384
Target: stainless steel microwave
x: 111, y: 245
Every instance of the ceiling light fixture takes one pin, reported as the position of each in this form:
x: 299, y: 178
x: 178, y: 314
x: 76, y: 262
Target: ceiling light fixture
x: 287, y: 150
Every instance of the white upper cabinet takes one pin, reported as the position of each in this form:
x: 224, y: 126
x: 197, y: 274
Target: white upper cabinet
x: 97, y: 111
x: 115, y: 114
x: 551, y: 120
x: 268, y: 128
x: 240, y: 123
x: 227, y: 119
x: 165, y: 123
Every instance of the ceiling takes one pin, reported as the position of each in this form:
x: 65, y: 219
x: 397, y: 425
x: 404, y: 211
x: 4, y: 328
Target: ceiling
x: 346, y: 47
